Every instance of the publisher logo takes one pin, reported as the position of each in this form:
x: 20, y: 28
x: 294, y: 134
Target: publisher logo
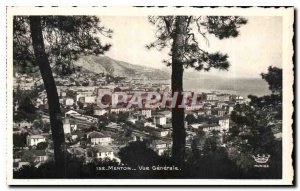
x: 261, y: 160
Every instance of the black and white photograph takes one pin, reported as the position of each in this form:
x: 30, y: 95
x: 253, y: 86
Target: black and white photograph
x: 149, y: 96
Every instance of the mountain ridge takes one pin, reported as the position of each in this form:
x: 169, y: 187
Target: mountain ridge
x: 107, y: 65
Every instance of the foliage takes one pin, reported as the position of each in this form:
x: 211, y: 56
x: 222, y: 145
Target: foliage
x: 190, y: 118
x: 253, y: 132
x: 26, y: 109
x: 46, y: 128
x: 65, y: 37
x: 194, y: 56
x: 274, y: 79
x: 137, y: 153
x: 42, y: 146
x: 89, y: 109
x: 38, y: 124
x: 19, y: 140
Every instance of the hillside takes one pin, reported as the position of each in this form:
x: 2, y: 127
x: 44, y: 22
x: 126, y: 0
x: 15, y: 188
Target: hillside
x: 107, y: 65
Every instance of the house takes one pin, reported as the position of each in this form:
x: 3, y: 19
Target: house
x: 193, y: 107
x: 99, y: 111
x: 114, y: 127
x: 220, y: 112
x: 69, y: 101
x: 223, y: 123
x: 160, y: 119
x: 101, y: 152
x: 200, y: 112
x: 237, y: 99
x: 221, y: 105
x: 82, y: 121
x: 119, y: 109
x: 63, y: 94
x: 146, y: 113
x: 160, y: 146
x: 71, y: 113
x: 166, y: 113
x: 160, y: 132
x: 206, y: 127
x: 90, y: 99
x: 67, y: 126
x: 19, y: 164
x: 132, y: 120
x: 23, y: 124
x: 223, y: 97
x: 149, y: 124
x: 27, y: 157
x: 33, y: 140
x: 210, y: 96
x: 98, y: 138
x: 210, y: 127
x: 104, y: 152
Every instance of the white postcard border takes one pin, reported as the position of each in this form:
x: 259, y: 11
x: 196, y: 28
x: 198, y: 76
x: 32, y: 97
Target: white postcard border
x: 288, y: 95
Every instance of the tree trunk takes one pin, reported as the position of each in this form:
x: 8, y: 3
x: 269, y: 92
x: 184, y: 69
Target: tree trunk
x: 178, y: 149
x: 52, y: 95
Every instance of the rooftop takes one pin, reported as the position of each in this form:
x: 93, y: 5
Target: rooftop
x: 96, y: 134
x: 36, y: 137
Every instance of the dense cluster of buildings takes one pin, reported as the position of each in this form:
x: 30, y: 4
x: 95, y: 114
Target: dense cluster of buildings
x: 95, y: 133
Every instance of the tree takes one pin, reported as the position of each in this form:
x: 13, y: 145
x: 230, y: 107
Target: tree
x: 137, y: 153
x: 38, y: 124
x: 42, y: 42
x: 26, y: 109
x: 89, y: 109
x: 19, y: 140
x: 274, y: 79
x: 102, y: 122
x: 42, y: 146
x: 253, y: 132
x: 190, y: 118
x: 271, y: 102
x: 177, y: 34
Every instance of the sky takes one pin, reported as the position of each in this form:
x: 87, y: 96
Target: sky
x: 258, y: 46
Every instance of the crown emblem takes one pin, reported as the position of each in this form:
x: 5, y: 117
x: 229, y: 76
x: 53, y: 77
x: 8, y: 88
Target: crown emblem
x: 261, y: 158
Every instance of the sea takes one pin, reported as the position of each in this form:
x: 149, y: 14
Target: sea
x: 236, y: 86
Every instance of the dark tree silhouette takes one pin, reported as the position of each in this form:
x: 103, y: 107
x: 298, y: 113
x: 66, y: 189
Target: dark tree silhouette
x: 26, y: 109
x: 137, y: 153
x: 274, y: 79
x: 42, y: 42
x: 255, y: 126
x: 178, y: 34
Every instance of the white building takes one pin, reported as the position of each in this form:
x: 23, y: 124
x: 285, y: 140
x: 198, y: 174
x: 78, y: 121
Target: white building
x: 67, y: 126
x: 105, y: 152
x: 90, y: 99
x: 167, y: 114
x: 146, y: 113
x: 160, y: 132
x: 160, y: 146
x: 206, y: 127
x: 33, y: 140
x: 132, y: 120
x: 99, y: 112
x: 224, y: 124
x: 210, y: 96
x: 98, y: 138
x: 149, y: 124
x: 69, y: 101
x: 160, y: 120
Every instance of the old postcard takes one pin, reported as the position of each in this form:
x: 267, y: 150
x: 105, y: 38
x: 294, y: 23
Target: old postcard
x: 149, y: 96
